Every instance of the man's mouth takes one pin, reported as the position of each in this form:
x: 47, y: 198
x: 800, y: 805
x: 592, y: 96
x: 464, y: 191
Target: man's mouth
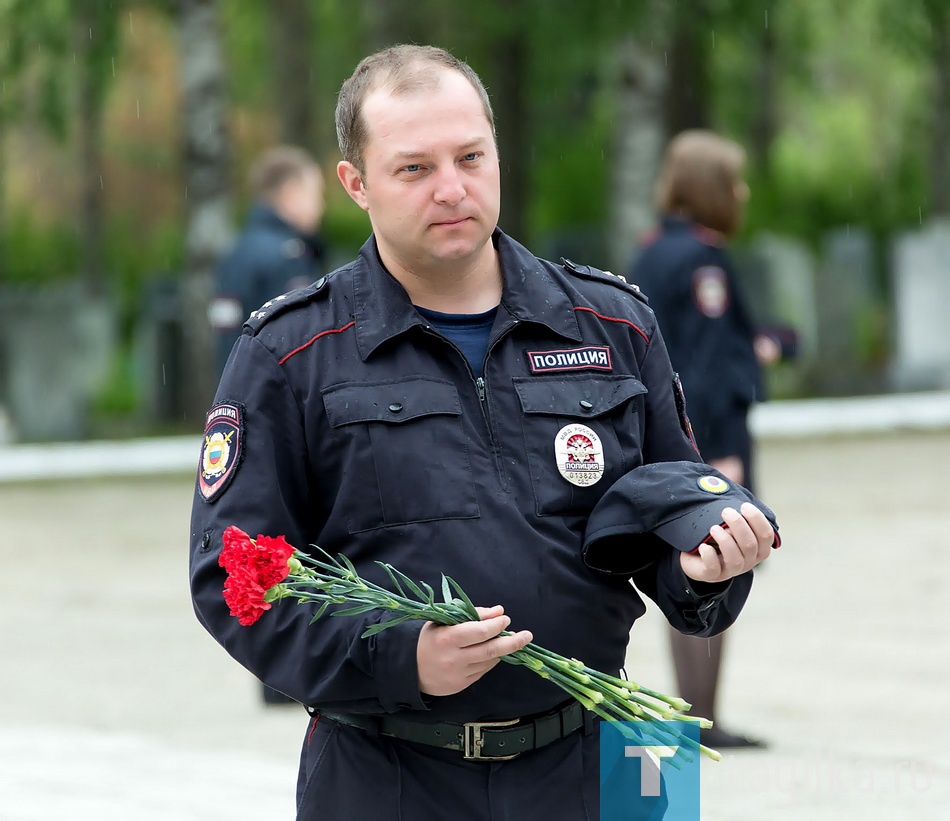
x: 451, y: 222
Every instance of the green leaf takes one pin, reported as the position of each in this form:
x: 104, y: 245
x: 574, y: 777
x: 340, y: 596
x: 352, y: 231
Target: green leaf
x: 349, y: 566
x: 373, y: 629
x: 320, y: 612
x: 355, y: 611
x: 446, y: 590
x: 413, y: 587
x: 392, y: 576
x: 470, y: 608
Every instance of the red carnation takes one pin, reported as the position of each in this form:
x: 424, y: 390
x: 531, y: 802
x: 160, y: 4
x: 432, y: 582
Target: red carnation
x: 253, y: 568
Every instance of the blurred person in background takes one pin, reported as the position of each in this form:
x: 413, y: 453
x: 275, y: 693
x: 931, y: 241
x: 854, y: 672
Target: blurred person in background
x: 688, y: 275
x: 278, y: 249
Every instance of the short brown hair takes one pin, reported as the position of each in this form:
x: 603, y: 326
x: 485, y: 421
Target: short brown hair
x: 698, y: 178
x: 276, y: 166
x: 404, y: 69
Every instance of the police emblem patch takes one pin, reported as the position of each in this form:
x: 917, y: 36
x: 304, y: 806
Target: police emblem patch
x: 712, y: 484
x: 579, y: 455
x: 222, y: 448
x: 710, y: 291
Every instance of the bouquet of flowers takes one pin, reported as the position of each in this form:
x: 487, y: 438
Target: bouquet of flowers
x: 267, y: 569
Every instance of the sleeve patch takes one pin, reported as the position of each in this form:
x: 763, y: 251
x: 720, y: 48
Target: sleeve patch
x: 680, y: 398
x: 711, y: 291
x: 222, y: 449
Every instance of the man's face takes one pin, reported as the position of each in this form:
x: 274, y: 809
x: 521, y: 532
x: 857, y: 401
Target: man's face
x: 431, y: 179
x: 300, y: 200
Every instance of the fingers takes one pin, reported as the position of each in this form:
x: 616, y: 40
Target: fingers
x: 743, y: 540
x: 761, y: 527
x: 474, y: 632
x: 451, y: 657
x: 489, y: 612
x: 483, y: 639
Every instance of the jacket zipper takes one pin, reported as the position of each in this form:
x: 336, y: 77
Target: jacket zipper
x: 481, y: 388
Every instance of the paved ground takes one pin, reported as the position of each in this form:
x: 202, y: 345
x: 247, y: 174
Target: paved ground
x: 114, y: 704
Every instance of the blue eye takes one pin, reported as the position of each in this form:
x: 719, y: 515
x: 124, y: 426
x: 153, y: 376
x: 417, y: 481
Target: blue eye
x: 470, y: 157
x: 412, y: 168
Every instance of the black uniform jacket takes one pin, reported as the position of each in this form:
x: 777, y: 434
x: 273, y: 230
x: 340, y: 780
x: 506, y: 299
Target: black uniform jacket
x: 364, y: 431
x: 690, y: 280
x: 268, y: 258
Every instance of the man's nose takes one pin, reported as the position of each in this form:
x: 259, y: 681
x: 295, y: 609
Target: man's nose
x: 449, y: 188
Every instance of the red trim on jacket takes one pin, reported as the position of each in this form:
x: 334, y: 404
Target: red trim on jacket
x: 617, y: 319
x: 310, y: 342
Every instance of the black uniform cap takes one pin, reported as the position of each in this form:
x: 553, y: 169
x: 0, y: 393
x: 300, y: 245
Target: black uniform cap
x: 657, y: 506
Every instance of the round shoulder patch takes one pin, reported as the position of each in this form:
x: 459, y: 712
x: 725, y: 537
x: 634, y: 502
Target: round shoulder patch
x: 711, y: 291
x: 222, y: 448
x: 712, y: 484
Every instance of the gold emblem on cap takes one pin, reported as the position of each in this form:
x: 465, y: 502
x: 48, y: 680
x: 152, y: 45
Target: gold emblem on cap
x: 713, y: 484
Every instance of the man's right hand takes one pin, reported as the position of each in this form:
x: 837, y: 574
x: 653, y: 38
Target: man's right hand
x: 450, y: 657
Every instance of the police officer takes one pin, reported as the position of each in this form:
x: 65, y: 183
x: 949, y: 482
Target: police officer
x: 685, y: 269
x: 279, y: 247
x: 423, y: 406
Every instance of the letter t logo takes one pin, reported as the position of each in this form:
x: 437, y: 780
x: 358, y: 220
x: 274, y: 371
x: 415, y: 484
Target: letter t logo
x: 649, y: 770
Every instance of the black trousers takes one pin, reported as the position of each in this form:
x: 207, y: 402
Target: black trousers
x: 348, y: 775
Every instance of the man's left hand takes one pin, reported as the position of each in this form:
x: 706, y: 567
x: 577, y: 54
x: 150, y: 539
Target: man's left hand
x: 745, y: 541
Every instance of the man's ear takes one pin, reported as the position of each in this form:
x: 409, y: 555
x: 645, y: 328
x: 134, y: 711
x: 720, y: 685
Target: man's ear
x: 352, y: 182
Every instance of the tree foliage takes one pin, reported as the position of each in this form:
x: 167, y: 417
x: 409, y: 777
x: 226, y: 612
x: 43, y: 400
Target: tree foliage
x: 835, y: 100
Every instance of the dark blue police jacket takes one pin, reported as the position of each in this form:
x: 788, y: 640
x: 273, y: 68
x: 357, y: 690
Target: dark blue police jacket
x: 352, y: 424
x: 269, y: 257
x: 691, y: 283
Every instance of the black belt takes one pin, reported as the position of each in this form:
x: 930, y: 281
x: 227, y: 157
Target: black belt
x: 476, y: 740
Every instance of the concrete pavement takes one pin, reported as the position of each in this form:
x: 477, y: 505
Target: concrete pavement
x: 116, y: 705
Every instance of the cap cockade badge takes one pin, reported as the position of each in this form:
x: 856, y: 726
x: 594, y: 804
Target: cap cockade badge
x: 713, y: 484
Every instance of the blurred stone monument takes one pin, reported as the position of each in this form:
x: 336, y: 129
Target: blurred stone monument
x: 847, y: 314
x: 778, y: 278
x: 160, y: 350
x: 56, y: 346
x: 921, y: 284
x: 787, y: 288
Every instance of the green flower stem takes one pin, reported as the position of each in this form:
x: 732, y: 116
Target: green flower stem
x: 335, y: 581
x: 632, y: 686
x: 622, y: 711
x: 664, y: 710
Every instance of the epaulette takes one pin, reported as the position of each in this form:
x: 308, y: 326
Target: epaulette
x: 278, y: 305
x: 589, y: 272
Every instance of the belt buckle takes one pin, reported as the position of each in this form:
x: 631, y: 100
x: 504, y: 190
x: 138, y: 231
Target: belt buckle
x: 472, y: 740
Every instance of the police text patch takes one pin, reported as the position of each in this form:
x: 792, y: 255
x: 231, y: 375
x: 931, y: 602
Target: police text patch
x: 222, y: 448
x: 591, y: 357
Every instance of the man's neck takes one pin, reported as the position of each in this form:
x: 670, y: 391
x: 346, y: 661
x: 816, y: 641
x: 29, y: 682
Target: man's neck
x: 472, y: 287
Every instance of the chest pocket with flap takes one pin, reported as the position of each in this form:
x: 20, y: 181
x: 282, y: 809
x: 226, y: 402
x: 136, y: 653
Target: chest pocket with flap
x: 405, y: 453
x: 610, y: 406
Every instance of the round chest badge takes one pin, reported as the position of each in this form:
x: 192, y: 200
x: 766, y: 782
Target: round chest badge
x: 579, y: 455
x: 713, y: 484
